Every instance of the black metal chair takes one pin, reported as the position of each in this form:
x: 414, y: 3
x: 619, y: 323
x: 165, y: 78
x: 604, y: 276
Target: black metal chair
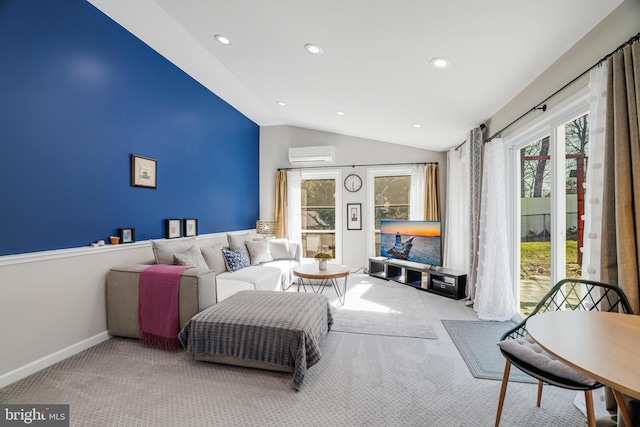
x: 568, y: 294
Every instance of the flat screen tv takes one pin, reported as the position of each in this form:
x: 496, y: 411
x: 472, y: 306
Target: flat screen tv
x: 416, y: 241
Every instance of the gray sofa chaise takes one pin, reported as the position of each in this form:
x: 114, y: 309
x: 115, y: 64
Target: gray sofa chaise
x: 269, y: 268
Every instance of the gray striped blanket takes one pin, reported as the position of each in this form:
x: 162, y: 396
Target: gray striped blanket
x: 277, y: 328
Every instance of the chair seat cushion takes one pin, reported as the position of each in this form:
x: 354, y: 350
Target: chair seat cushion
x: 528, y: 351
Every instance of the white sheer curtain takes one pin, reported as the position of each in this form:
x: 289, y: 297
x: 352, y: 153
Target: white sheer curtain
x: 416, y: 194
x: 456, y: 243
x: 494, y: 298
x: 595, y: 174
x: 294, y: 206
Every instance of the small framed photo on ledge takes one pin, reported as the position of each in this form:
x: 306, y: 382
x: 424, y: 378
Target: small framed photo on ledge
x: 190, y: 227
x: 172, y: 228
x: 127, y: 235
x: 143, y: 172
x: 354, y: 216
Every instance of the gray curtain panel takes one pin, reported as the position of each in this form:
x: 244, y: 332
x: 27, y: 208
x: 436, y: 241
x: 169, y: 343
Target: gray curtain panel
x: 475, y: 187
x: 621, y: 199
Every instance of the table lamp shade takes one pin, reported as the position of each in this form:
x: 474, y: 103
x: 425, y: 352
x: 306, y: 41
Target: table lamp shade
x: 266, y: 227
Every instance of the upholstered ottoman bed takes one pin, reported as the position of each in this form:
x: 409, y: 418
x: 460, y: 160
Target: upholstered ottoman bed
x: 272, y: 330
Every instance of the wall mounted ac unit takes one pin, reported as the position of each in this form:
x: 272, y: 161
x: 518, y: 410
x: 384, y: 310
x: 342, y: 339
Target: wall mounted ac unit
x: 318, y: 155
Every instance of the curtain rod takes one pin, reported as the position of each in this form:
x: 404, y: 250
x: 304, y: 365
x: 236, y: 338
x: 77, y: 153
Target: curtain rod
x: 482, y: 126
x: 353, y: 166
x: 542, y: 106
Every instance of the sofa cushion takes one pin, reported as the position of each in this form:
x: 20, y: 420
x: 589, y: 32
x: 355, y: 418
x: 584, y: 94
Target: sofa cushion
x: 527, y: 350
x: 163, y: 250
x: 191, y: 256
x: 279, y: 249
x: 237, y: 259
x: 258, y: 251
x: 214, y: 258
x: 238, y: 240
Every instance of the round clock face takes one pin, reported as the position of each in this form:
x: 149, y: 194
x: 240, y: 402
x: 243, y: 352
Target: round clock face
x: 353, y: 183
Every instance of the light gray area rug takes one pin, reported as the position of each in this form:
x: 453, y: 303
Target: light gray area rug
x: 476, y: 341
x: 378, y: 307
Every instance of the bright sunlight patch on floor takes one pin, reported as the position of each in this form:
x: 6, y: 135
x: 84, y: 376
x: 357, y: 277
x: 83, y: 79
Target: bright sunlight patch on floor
x: 357, y: 301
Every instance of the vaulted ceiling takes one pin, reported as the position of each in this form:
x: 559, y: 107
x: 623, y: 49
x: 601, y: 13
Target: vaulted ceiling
x: 375, y: 62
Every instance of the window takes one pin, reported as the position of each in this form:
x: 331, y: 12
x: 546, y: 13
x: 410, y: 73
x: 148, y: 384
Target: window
x: 319, y: 221
x: 391, y: 199
x: 549, y: 164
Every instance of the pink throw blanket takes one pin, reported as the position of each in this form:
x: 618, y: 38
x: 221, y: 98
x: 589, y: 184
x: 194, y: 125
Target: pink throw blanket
x: 158, y: 305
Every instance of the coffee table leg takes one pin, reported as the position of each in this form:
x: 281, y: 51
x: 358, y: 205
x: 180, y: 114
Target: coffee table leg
x: 341, y: 293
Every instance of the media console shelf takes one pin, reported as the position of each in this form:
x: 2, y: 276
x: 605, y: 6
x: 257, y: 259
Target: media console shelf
x: 441, y: 281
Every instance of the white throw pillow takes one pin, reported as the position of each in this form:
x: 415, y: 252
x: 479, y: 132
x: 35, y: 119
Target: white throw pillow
x: 238, y: 240
x: 163, y: 250
x: 214, y: 258
x: 279, y: 248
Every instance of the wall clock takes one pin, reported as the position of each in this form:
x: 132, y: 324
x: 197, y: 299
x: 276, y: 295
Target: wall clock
x: 353, y: 183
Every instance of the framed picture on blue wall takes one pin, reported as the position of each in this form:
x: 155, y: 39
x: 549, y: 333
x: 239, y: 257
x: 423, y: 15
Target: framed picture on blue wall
x: 190, y: 227
x: 127, y: 235
x: 172, y: 228
x: 143, y: 172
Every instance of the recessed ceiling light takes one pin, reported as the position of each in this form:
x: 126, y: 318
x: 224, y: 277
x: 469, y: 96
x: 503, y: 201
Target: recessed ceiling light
x: 416, y: 125
x: 313, y: 48
x: 340, y: 113
x: 440, y: 63
x: 222, y: 39
x: 282, y: 104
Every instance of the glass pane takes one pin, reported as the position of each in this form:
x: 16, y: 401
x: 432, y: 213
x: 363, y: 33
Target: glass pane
x: 319, y: 215
x: 391, y: 201
x: 576, y: 146
x: 535, y: 237
x: 318, y: 204
x: 314, y: 243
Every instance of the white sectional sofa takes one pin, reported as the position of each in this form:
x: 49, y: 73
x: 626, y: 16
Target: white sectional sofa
x: 211, y: 280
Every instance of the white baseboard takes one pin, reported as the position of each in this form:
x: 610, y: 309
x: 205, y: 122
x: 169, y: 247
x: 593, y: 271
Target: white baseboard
x: 33, y: 367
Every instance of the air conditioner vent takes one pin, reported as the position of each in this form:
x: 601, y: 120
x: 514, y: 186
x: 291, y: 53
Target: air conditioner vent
x: 312, y: 155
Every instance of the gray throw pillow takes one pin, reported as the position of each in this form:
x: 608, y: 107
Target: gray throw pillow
x: 279, y: 248
x: 214, y: 258
x: 163, y: 250
x: 258, y: 251
x: 192, y: 257
x: 527, y: 350
x: 238, y: 240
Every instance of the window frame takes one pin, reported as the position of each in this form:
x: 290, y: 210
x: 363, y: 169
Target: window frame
x: 373, y: 173
x: 335, y: 174
x: 546, y: 124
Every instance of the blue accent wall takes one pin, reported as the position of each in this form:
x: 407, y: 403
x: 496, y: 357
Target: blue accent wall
x: 78, y: 95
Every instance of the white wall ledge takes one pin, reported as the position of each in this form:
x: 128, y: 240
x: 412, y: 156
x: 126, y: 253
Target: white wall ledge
x: 29, y: 257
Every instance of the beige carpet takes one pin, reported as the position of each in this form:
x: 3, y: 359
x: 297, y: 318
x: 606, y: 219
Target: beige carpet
x: 361, y: 380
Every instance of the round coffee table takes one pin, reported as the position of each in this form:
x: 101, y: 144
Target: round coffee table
x: 328, y: 276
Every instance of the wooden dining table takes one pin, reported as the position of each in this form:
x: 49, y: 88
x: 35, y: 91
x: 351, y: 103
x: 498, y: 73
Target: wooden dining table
x: 602, y: 345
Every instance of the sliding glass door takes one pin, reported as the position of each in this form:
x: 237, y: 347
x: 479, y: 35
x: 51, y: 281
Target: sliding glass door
x: 548, y: 203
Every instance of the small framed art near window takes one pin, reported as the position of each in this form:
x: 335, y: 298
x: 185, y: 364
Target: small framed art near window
x: 127, y: 235
x: 354, y: 216
x: 143, y: 172
x: 190, y: 227
x: 172, y: 228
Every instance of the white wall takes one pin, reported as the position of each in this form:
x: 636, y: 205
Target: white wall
x: 53, y: 303
x: 622, y: 24
x: 274, y: 148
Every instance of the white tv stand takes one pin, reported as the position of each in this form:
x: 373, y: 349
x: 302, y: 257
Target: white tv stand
x: 441, y: 281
